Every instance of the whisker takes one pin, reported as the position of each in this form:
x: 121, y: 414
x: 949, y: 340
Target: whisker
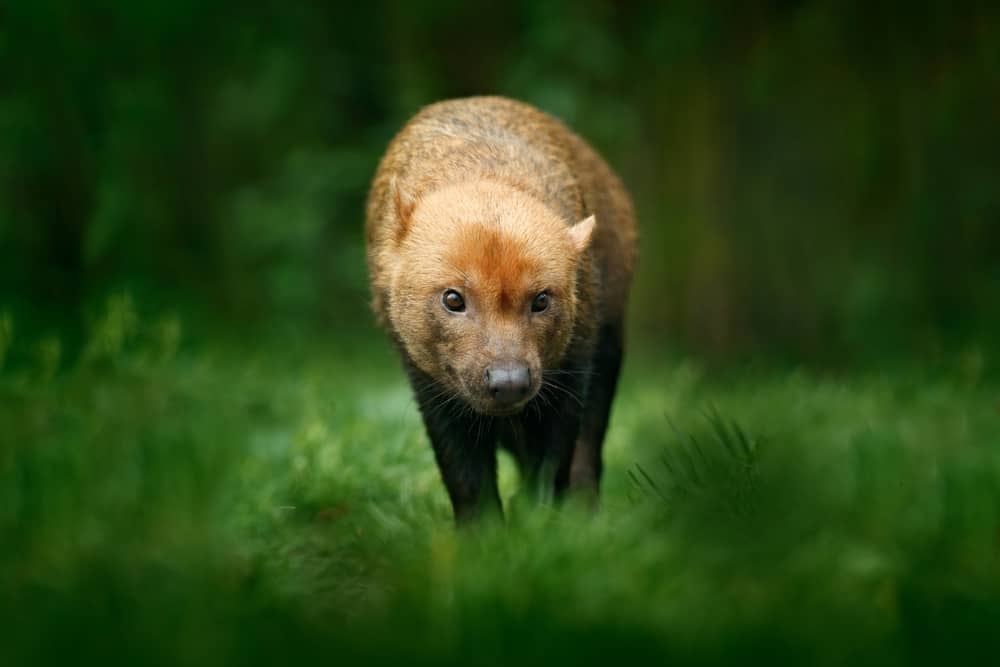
x: 580, y: 372
x: 557, y: 383
x: 544, y: 398
x: 564, y: 391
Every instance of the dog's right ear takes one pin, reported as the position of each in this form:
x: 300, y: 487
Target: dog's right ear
x: 404, y: 204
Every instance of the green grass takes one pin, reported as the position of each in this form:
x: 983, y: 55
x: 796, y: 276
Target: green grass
x: 223, y: 506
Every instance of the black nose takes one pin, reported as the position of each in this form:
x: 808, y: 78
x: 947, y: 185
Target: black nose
x: 508, y: 384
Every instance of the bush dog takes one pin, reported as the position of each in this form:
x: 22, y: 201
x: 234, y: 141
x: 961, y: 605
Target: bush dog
x: 500, y: 250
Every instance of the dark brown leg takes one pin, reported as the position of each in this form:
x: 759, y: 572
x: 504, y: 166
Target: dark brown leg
x: 586, y: 468
x: 464, y: 447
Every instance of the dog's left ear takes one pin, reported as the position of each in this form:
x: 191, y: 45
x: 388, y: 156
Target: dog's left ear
x: 581, y: 233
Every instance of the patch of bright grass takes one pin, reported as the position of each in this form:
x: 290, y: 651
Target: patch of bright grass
x: 216, y: 507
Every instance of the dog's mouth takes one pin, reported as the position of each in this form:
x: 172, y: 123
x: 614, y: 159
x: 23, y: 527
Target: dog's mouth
x: 493, y: 408
x: 504, y: 412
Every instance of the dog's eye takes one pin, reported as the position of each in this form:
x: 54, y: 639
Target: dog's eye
x: 453, y: 301
x: 540, y: 303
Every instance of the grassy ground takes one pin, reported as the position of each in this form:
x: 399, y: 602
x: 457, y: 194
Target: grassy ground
x: 220, y: 507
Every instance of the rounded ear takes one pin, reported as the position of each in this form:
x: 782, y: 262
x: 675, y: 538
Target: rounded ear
x: 404, y: 204
x: 581, y: 233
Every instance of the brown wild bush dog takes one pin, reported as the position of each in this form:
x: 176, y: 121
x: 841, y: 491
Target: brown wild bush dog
x: 500, y: 251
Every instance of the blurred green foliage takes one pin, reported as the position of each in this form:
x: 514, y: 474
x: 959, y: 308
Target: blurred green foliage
x: 815, y: 178
x: 282, y: 507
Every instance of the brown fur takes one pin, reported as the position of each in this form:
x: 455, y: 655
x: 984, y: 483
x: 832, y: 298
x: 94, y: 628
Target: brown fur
x: 469, y: 154
x: 493, y: 198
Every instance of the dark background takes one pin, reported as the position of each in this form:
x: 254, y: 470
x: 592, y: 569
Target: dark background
x: 816, y: 181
